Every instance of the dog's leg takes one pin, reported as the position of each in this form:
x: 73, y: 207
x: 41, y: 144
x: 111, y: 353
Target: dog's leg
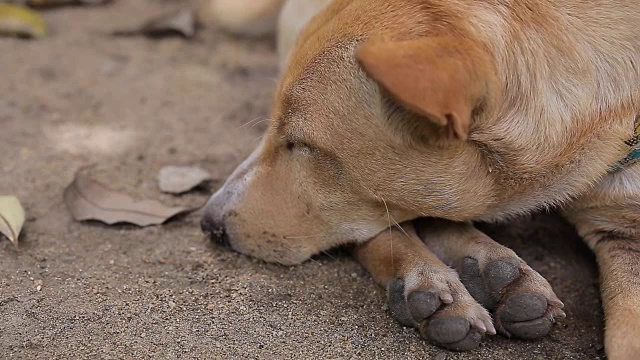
x: 260, y: 18
x: 523, y: 303
x: 243, y: 17
x: 422, y: 291
x: 293, y: 18
x: 608, y: 219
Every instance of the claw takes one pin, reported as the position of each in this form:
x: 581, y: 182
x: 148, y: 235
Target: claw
x: 556, y: 302
x: 446, y: 297
x: 557, y: 313
x: 480, y: 325
x: 491, y: 330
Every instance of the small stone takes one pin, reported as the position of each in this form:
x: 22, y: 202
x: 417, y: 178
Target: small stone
x: 211, y: 307
x: 441, y: 356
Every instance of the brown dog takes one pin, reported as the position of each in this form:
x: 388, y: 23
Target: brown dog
x: 391, y: 111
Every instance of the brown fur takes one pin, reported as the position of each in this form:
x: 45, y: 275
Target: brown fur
x: 544, y: 92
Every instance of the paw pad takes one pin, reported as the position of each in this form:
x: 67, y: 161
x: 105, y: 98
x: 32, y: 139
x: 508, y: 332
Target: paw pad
x: 435, y: 319
x: 523, y: 303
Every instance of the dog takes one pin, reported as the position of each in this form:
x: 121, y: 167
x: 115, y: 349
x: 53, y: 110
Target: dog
x: 397, y: 123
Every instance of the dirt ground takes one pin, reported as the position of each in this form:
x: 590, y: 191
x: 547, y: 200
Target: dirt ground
x: 129, y: 106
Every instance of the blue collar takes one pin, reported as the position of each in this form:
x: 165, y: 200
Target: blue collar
x: 633, y: 146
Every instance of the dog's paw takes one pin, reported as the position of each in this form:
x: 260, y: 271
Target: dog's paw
x: 442, y: 310
x: 523, y: 303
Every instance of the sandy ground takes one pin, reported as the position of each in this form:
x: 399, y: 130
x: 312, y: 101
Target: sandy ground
x: 130, y: 106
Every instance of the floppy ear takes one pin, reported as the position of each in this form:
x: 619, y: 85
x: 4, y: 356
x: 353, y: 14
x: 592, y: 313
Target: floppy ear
x: 441, y: 78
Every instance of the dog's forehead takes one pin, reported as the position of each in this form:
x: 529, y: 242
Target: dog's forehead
x: 318, y: 67
x: 311, y: 80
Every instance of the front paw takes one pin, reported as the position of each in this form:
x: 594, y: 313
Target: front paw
x: 440, y: 308
x: 523, y: 302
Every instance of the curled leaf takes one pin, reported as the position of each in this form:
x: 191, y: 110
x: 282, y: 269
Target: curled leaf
x: 89, y: 200
x: 181, y: 22
x: 17, y: 20
x: 11, y: 218
x: 180, y: 179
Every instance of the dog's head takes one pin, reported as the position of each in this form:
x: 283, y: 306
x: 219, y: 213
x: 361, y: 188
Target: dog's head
x: 370, y: 127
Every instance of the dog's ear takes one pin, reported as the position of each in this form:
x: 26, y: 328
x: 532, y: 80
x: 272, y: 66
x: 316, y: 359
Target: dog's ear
x: 441, y: 78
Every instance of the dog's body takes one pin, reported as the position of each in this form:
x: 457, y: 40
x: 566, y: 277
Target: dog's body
x: 464, y: 110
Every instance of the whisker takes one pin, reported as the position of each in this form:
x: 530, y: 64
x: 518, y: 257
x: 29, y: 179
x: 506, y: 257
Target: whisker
x: 259, y: 118
x: 309, y: 237
x: 302, y: 236
x: 288, y: 248
x: 390, y: 232
x: 258, y: 123
x: 397, y: 225
x: 328, y: 254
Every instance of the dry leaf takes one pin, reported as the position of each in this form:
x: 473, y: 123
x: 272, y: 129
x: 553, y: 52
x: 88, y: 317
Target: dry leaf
x: 180, y: 22
x: 89, y: 200
x: 17, y: 20
x: 11, y: 218
x: 180, y: 179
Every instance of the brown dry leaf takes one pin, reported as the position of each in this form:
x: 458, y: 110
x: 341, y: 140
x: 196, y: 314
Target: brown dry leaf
x: 17, y: 20
x: 89, y: 200
x: 181, y: 22
x: 180, y: 179
x: 11, y: 218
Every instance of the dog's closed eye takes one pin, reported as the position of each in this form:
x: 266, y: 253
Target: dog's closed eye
x: 301, y: 147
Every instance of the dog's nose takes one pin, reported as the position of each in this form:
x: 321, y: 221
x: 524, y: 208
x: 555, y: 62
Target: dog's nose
x: 214, y: 227
x: 215, y: 219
